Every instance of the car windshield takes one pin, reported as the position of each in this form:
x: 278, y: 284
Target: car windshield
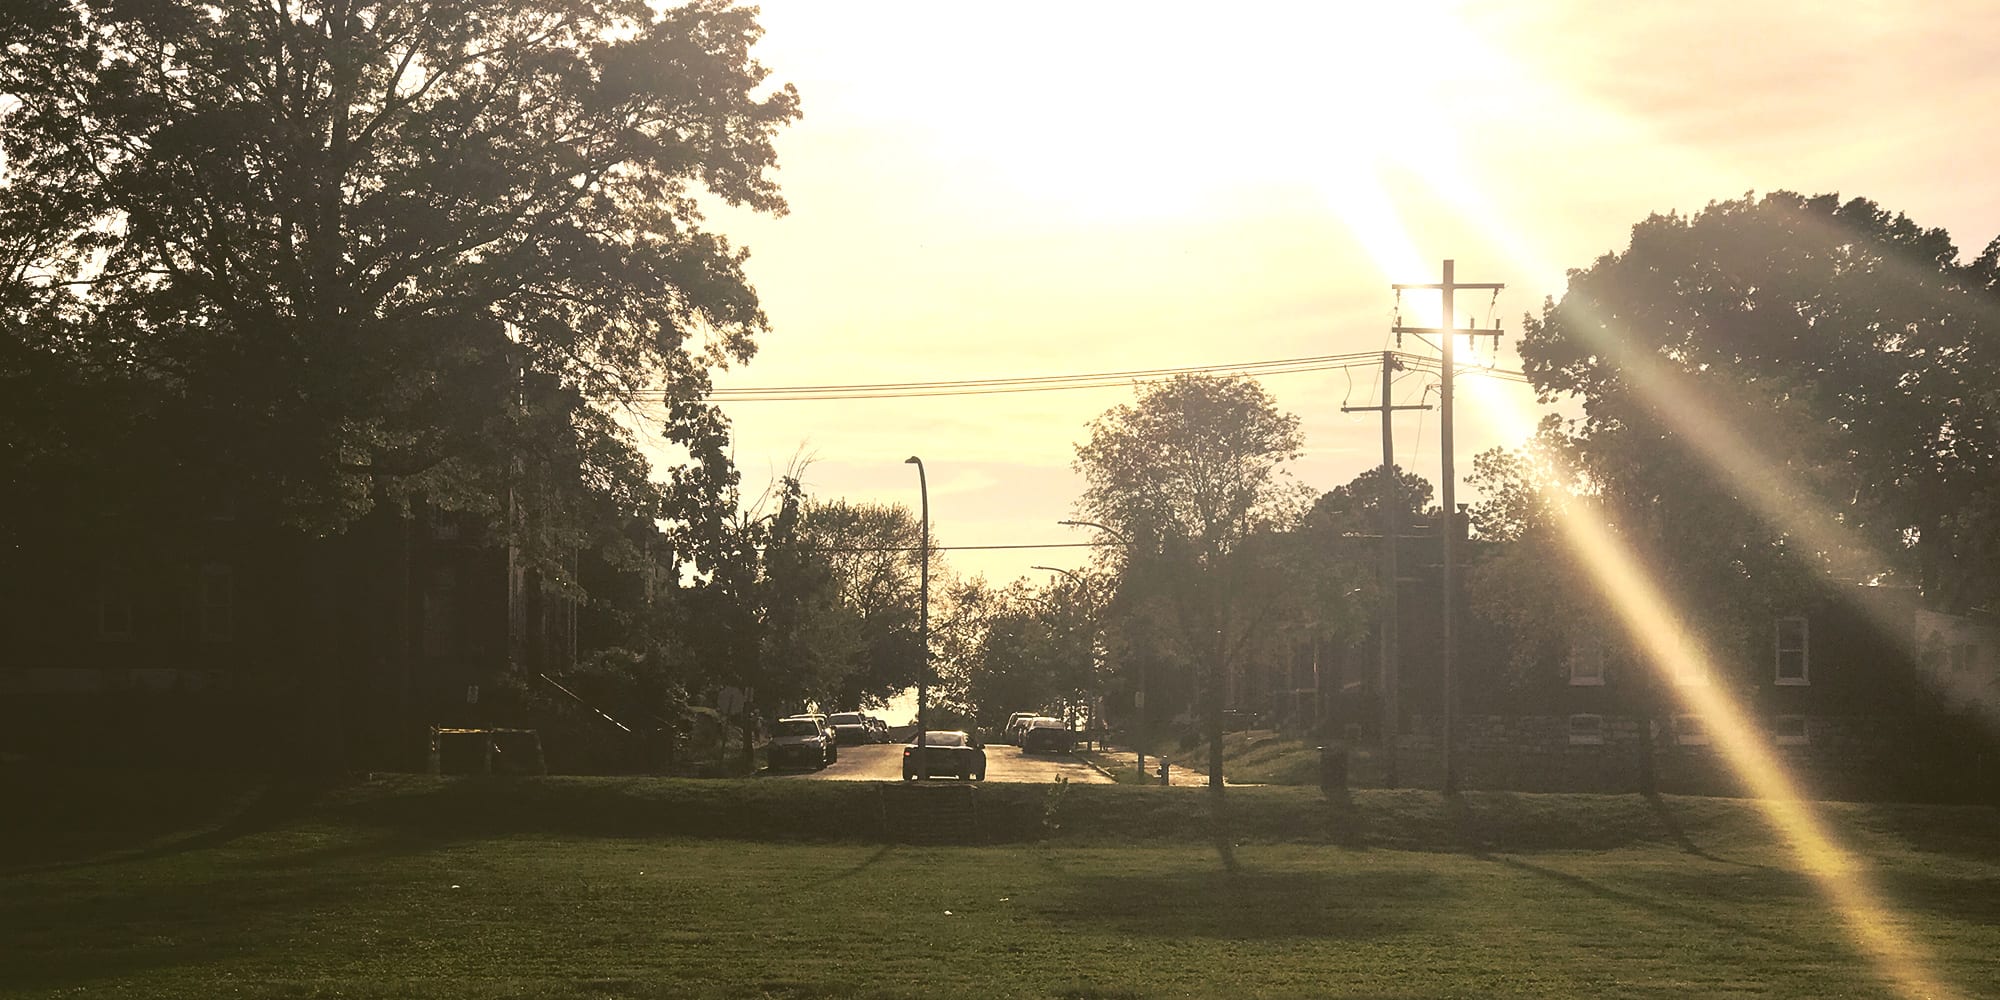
x: 795, y: 727
x: 847, y: 719
x: 944, y: 739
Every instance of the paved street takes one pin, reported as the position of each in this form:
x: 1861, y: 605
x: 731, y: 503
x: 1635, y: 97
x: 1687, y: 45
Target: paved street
x: 884, y: 762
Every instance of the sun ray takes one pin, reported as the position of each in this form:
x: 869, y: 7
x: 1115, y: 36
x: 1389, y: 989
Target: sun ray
x: 1675, y: 654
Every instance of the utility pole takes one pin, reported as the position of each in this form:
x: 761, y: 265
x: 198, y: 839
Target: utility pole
x: 923, y: 603
x: 1449, y: 533
x: 1389, y: 680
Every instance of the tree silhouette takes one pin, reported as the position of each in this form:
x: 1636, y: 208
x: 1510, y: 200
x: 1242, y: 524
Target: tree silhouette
x: 1192, y: 477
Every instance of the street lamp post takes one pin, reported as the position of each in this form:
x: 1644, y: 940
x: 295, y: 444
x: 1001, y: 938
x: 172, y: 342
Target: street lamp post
x: 924, y: 599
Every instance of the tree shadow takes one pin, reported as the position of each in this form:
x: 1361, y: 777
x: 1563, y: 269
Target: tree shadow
x: 1672, y: 823
x: 60, y: 941
x: 1244, y: 904
x: 866, y: 863
x: 1651, y: 904
x: 276, y: 801
x: 1973, y: 901
x: 1971, y: 831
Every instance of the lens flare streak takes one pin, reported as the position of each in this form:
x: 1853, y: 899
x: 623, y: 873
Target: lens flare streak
x: 1682, y: 666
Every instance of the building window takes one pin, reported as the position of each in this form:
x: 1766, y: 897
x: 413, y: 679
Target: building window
x: 1586, y: 730
x: 1790, y: 731
x: 114, y: 606
x: 218, y: 603
x: 1586, y: 663
x: 1689, y: 730
x: 1793, y: 658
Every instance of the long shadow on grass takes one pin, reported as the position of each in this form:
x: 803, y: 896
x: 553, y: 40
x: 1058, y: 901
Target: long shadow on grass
x: 1967, y: 831
x: 1675, y: 830
x: 1696, y: 885
x: 1973, y: 900
x: 274, y: 803
x: 67, y: 930
x: 1248, y: 904
x: 873, y: 856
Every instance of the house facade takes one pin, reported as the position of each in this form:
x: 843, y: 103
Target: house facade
x: 221, y: 639
x: 1856, y: 693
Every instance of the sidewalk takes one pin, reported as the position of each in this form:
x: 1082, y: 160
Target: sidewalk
x: 1116, y: 761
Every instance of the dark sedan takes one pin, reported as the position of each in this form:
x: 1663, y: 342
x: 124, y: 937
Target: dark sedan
x: 937, y: 754
x: 798, y: 742
x: 1047, y: 735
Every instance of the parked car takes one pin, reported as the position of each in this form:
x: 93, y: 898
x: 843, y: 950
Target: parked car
x: 1047, y: 735
x: 798, y: 742
x: 1011, y: 732
x: 936, y: 754
x: 825, y: 726
x: 850, y: 727
x: 878, y: 730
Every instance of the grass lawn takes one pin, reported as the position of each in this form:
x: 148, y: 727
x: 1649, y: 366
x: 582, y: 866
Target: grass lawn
x: 358, y: 899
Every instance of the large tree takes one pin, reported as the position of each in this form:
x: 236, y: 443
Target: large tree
x: 1189, y: 478
x: 359, y: 248
x: 327, y: 258
x: 1357, y: 506
x: 874, y: 553
x: 1779, y: 390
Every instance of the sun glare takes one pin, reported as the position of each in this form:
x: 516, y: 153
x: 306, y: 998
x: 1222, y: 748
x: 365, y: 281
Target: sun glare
x: 1676, y: 654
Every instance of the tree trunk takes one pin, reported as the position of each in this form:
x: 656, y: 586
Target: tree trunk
x: 319, y: 740
x: 1215, y: 710
x: 1218, y: 804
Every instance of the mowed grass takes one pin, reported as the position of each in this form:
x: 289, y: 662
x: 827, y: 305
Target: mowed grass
x: 372, y: 893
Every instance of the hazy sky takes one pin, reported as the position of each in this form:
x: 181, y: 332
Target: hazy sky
x: 1028, y: 189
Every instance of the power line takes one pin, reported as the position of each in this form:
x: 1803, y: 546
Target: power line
x: 1042, y: 383
x: 947, y: 548
x: 1049, y: 383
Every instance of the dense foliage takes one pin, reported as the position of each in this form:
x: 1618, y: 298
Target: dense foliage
x: 1778, y: 398
x: 310, y: 263
x: 1189, y: 486
x: 341, y: 253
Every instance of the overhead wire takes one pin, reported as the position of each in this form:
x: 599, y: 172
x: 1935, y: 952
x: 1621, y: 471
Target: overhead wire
x: 1046, y: 383
x: 1040, y: 383
x: 945, y: 548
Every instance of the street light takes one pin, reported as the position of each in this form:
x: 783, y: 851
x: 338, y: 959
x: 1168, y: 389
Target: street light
x: 1107, y: 529
x: 924, y: 599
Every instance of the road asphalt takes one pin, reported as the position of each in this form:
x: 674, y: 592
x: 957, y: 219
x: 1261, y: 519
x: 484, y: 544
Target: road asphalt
x: 884, y: 762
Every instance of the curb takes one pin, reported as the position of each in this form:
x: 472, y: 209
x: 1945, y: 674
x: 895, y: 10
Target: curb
x: 1091, y: 759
